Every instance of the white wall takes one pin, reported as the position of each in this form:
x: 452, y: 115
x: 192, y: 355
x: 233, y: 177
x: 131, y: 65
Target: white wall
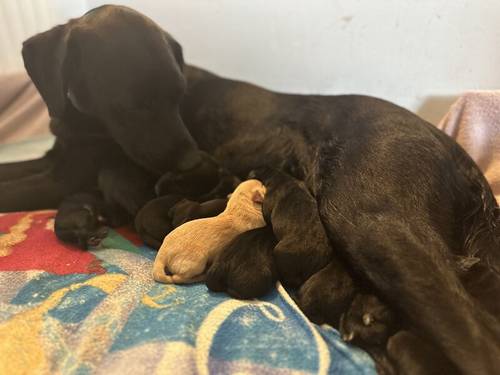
x: 417, y: 53
x: 19, y: 19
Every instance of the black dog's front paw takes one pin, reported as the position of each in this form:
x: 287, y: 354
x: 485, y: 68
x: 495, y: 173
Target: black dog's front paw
x: 79, y: 222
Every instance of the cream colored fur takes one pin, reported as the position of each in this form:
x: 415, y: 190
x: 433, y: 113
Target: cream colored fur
x: 186, y: 250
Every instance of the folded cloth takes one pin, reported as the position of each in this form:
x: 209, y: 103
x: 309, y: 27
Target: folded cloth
x: 474, y: 122
x: 23, y: 113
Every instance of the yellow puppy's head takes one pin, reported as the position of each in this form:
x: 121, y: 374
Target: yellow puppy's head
x: 247, y: 198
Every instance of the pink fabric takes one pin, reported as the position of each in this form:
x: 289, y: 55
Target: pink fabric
x: 474, y: 122
x: 23, y: 113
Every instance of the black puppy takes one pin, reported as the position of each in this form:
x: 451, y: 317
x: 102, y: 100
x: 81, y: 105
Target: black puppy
x: 327, y: 294
x: 245, y: 268
x: 292, y: 212
x: 368, y: 322
x: 80, y: 221
x: 161, y: 215
x: 200, y: 183
x: 330, y: 296
x: 187, y: 210
x: 153, y: 222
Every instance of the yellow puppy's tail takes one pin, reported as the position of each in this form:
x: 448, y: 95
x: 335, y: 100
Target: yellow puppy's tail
x: 160, y: 276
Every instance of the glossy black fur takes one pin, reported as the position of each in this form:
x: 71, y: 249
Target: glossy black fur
x: 153, y: 222
x: 245, y: 268
x: 413, y: 355
x: 327, y: 294
x: 398, y: 198
x: 303, y: 247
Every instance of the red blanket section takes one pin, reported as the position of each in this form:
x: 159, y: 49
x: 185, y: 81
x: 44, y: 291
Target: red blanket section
x: 28, y: 242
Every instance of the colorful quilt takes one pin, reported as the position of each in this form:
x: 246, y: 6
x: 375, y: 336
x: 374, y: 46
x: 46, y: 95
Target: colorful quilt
x: 68, y: 311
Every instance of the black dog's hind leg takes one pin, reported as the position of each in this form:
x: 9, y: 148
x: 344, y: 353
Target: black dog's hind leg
x: 416, y: 279
x: 20, y: 169
x: 33, y: 191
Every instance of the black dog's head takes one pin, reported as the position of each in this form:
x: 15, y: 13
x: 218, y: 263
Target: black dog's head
x: 367, y: 322
x: 119, y: 67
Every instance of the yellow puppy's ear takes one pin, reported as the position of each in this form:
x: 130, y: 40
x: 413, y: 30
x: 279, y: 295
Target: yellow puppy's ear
x: 229, y: 195
x: 258, y: 196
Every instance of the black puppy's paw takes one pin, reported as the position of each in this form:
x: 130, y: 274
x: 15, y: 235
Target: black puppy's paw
x: 79, y: 221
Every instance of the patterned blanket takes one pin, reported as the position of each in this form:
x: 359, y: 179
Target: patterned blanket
x: 68, y: 311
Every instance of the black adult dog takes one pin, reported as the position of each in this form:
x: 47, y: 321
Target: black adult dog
x: 397, y: 197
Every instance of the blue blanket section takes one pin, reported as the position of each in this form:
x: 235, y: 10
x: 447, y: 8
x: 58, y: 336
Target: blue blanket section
x: 136, y: 322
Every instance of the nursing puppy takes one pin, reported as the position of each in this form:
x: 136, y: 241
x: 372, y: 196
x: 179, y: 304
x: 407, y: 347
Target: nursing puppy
x: 292, y: 212
x: 368, y: 322
x: 153, y: 220
x: 330, y: 296
x: 187, y: 250
x: 245, y: 268
x: 80, y: 221
x: 327, y: 294
x: 187, y: 210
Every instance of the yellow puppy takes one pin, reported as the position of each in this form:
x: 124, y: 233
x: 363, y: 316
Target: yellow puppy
x: 186, y: 250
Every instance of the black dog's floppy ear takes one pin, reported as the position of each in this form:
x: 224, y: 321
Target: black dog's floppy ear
x: 43, y: 56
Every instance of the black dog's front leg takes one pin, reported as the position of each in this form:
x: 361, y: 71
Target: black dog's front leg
x: 16, y: 170
x: 126, y: 188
